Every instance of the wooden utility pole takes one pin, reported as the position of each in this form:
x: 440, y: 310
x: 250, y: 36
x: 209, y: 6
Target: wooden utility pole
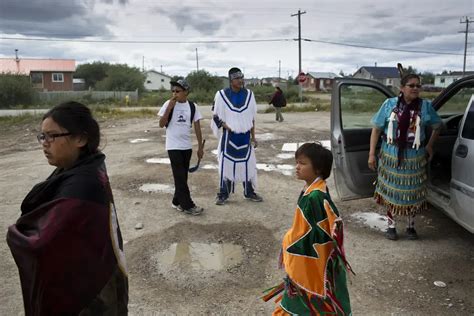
x: 197, y: 60
x: 466, y: 21
x: 299, y: 49
x: 279, y: 70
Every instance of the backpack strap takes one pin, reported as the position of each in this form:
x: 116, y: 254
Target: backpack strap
x: 192, y: 106
x: 169, y: 117
x: 193, y: 111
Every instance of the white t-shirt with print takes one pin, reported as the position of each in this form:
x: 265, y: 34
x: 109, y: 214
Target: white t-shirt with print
x: 178, y: 132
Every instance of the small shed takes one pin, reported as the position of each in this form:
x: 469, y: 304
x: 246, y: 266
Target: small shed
x: 156, y: 81
x: 388, y: 76
x: 45, y: 74
x: 319, y: 81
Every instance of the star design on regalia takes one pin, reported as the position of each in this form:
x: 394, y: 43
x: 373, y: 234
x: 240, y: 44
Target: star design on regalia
x: 298, y: 248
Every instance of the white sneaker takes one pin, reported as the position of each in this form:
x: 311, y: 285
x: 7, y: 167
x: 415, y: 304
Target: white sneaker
x: 177, y: 207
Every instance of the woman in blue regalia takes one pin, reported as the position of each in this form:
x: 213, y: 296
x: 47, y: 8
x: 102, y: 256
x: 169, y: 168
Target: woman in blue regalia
x: 403, y: 157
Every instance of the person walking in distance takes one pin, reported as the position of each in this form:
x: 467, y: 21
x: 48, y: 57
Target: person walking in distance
x: 178, y: 115
x: 233, y: 124
x: 278, y: 100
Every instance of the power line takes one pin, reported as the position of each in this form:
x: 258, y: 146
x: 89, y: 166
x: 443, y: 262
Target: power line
x: 143, y: 42
x: 42, y: 39
x: 383, y: 48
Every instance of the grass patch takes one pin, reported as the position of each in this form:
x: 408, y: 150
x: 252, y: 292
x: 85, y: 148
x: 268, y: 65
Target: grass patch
x: 313, y: 105
x: 105, y: 113
x: 22, y: 119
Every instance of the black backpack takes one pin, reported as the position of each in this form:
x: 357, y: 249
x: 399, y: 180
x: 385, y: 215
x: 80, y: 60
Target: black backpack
x: 193, y: 111
x: 283, y: 100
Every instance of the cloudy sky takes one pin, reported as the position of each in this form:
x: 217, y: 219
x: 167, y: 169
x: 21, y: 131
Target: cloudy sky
x: 257, y: 36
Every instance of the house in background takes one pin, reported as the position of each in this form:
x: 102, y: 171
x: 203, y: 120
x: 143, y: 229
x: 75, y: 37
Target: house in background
x: 444, y: 80
x: 388, y: 76
x: 319, y: 81
x: 45, y: 74
x: 273, y: 81
x: 157, y: 81
x: 251, y: 82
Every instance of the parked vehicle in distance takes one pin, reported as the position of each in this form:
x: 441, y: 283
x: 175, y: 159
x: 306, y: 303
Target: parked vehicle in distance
x: 451, y: 171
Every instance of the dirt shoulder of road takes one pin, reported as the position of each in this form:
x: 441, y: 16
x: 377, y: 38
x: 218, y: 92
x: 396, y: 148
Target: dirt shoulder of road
x: 392, y: 278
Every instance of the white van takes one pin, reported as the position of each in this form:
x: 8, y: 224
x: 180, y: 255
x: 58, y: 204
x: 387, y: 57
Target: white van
x: 451, y: 172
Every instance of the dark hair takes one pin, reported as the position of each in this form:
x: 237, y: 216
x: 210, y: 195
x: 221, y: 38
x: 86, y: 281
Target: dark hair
x: 321, y: 158
x: 407, y: 78
x: 278, y: 88
x: 78, y: 120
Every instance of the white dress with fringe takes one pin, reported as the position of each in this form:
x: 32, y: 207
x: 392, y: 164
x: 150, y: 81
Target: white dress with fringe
x: 236, y: 155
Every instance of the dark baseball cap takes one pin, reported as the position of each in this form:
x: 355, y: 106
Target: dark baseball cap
x: 180, y: 83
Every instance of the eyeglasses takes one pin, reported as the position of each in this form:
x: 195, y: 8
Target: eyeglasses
x: 412, y: 85
x: 43, y: 137
x: 176, y: 90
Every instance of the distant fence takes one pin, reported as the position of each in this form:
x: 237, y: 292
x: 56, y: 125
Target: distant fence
x: 92, y: 95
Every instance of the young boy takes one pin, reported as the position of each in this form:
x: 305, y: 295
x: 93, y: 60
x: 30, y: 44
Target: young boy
x: 312, y: 250
x: 178, y: 115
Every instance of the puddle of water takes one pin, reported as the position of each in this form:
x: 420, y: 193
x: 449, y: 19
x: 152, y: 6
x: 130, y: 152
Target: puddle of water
x: 289, y: 147
x: 286, y: 156
x: 200, y: 256
x: 294, y: 146
x: 287, y: 170
x: 266, y: 136
x: 157, y: 187
x: 139, y: 140
x: 371, y: 219
x: 326, y: 144
x: 165, y: 161
x: 210, y: 167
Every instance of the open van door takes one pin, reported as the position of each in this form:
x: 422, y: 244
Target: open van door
x: 462, y: 181
x: 353, y: 103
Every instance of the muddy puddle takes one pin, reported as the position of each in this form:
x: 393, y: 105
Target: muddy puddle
x: 200, y: 256
x: 210, y: 260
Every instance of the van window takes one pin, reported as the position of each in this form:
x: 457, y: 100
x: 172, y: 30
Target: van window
x: 457, y: 104
x: 468, y: 129
x: 359, y: 104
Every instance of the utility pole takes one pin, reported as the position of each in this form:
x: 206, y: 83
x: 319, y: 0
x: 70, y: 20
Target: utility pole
x: 279, y: 70
x: 299, y: 50
x: 197, y: 60
x: 466, y: 21
x: 143, y: 64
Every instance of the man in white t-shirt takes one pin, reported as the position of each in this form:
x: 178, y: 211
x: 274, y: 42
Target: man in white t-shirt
x: 178, y: 115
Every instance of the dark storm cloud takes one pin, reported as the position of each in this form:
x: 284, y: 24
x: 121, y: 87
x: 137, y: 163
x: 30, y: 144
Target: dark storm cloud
x: 52, y: 18
x: 417, y: 33
x: 187, y: 16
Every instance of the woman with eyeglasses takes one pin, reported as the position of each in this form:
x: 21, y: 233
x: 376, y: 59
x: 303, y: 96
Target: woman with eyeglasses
x: 403, y: 156
x: 67, y: 242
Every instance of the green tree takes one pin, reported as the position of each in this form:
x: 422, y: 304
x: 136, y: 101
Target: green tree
x: 15, y: 90
x: 121, y: 77
x: 203, y: 80
x: 92, y: 73
x: 175, y: 78
x: 410, y: 70
x: 428, y: 77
